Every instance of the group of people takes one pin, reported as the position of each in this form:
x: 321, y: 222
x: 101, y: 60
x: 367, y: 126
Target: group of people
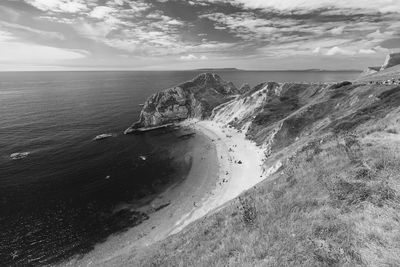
x: 387, y: 82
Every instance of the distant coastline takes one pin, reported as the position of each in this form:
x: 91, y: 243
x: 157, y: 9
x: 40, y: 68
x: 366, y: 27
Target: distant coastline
x: 293, y: 70
x: 174, y: 70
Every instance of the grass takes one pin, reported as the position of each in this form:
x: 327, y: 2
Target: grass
x: 335, y: 203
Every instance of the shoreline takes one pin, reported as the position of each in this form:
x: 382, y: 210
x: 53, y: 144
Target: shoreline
x: 240, y: 168
x: 224, y: 164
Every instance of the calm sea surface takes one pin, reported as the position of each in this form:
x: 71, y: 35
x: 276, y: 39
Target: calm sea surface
x: 60, y: 200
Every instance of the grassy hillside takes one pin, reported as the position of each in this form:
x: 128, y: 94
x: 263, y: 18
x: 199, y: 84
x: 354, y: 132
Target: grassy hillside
x: 393, y: 72
x: 335, y: 201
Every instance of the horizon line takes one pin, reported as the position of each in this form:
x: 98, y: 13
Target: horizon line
x: 199, y: 69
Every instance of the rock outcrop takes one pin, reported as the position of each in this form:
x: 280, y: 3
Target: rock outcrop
x: 193, y: 99
x: 369, y: 71
x: 391, y: 60
x: 244, y: 88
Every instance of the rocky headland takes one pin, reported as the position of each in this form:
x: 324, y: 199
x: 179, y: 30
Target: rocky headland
x: 392, y: 60
x: 192, y: 99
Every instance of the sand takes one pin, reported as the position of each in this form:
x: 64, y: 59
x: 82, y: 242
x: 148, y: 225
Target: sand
x: 240, y: 168
x: 224, y: 164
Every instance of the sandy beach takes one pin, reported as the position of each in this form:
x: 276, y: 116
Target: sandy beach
x: 224, y: 164
x: 240, y: 168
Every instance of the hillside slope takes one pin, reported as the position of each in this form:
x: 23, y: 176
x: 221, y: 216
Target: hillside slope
x: 387, y: 74
x: 334, y: 202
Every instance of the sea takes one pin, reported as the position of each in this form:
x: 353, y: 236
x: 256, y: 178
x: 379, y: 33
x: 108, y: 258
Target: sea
x: 60, y: 196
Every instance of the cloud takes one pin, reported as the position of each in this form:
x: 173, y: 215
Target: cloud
x: 5, y: 36
x: 101, y: 12
x: 26, y: 29
x: 380, y: 35
x: 339, y: 51
x: 317, y: 50
x: 244, y: 24
x: 367, y: 51
x: 226, y: 29
x: 384, y: 6
x: 9, y: 13
x: 66, y: 6
x: 338, y: 30
x: 192, y: 57
x: 13, y: 50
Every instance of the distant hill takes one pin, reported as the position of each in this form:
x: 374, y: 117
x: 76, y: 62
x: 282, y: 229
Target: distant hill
x: 217, y: 69
x: 294, y: 70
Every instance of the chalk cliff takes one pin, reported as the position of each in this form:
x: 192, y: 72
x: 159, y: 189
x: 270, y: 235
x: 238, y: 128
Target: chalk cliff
x: 391, y: 60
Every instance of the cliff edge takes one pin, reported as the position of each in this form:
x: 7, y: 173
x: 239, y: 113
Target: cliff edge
x: 192, y: 99
x: 392, y: 60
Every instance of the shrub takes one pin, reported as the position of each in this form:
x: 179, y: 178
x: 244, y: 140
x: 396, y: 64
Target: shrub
x: 248, y: 210
x: 392, y: 131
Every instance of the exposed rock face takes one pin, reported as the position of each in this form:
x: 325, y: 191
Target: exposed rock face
x: 244, y: 88
x: 274, y: 115
x: 391, y: 61
x: 369, y: 71
x: 263, y: 112
x: 242, y: 110
x: 196, y: 98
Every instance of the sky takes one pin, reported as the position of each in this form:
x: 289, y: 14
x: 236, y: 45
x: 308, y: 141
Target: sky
x: 190, y: 34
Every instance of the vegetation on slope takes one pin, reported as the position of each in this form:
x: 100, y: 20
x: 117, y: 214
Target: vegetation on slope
x: 335, y: 201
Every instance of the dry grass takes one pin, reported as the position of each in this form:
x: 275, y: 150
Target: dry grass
x: 336, y: 203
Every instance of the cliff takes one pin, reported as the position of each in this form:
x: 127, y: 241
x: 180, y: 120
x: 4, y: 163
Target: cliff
x: 192, y: 99
x: 389, y: 70
x: 391, y: 60
x: 369, y: 71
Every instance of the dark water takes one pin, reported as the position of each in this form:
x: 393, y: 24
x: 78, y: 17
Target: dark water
x: 60, y: 200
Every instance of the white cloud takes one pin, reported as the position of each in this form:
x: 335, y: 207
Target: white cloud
x: 15, y: 51
x: 367, y: 51
x: 192, y: 57
x: 65, y: 6
x: 384, y: 6
x: 5, y: 36
x: 116, y: 2
x: 134, y: 28
x: 339, y: 51
x: 45, y: 34
x: 244, y: 24
x: 317, y: 50
x: 174, y: 22
x: 380, y: 35
x: 338, y: 30
x: 101, y: 12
